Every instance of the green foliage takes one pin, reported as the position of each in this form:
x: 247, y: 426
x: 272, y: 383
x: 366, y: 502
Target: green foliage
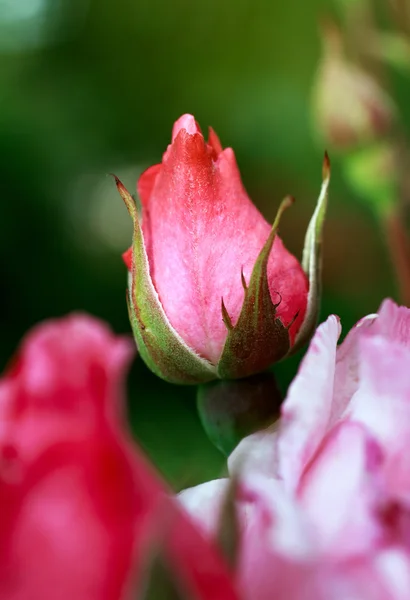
x: 371, y: 173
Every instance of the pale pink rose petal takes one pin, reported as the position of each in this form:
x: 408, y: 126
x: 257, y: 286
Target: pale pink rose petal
x: 283, y: 450
x: 286, y: 528
x: 281, y: 558
x: 393, y: 568
x: 308, y: 405
x: 277, y: 546
x: 264, y: 574
x: 287, y: 531
x: 204, y: 503
x: 341, y: 491
x: 394, y: 322
x: 364, y: 578
x: 310, y: 580
x: 382, y: 404
x: 346, y: 379
x: 256, y: 453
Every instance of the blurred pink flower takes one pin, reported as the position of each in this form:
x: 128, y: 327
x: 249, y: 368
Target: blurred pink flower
x: 324, y: 496
x: 81, y: 511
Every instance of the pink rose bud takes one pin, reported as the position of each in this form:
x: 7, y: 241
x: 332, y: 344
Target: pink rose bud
x: 213, y: 292
x: 83, y: 516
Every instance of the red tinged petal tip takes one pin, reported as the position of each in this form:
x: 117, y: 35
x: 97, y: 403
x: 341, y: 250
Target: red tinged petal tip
x: 214, y: 142
x: 127, y: 258
x: 188, y: 123
x: 146, y: 183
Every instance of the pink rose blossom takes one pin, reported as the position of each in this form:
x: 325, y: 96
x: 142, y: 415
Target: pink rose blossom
x: 81, y: 511
x: 324, y: 495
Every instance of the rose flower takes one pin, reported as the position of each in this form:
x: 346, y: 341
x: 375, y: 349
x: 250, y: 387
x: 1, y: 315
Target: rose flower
x: 213, y: 292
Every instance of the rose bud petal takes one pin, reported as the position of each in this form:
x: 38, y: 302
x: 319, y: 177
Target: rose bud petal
x: 81, y: 510
x: 213, y: 292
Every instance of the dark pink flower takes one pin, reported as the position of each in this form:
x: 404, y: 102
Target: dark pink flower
x: 82, y: 514
x: 324, y: 495
x: 199, y: 246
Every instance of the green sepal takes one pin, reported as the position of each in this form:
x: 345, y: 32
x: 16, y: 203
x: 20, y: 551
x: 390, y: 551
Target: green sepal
x: 259, y: 338
x: 158, y: 582
x: 160, y: 346
x: 312, y: 262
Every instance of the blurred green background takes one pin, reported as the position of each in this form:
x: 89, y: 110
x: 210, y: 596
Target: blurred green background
x: 92, y: 87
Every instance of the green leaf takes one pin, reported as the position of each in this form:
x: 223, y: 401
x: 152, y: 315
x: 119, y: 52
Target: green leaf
x: 312, y: 261
x: 392, y: 48
x: 258, y: 339
x: 160, y: 346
